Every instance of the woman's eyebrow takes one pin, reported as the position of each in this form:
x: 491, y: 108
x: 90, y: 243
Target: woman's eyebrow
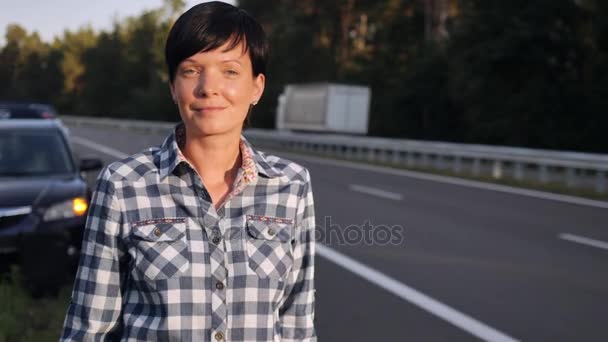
x: 192, y: 61
x: 232, y: 60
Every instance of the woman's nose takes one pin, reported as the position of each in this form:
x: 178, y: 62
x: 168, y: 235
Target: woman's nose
x: 208, y: 84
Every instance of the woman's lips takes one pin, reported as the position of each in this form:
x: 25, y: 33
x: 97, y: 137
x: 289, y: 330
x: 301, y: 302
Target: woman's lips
x: 206, y: 110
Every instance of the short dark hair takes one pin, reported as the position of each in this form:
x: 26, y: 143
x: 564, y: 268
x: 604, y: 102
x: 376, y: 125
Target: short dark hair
x: 209, y: 25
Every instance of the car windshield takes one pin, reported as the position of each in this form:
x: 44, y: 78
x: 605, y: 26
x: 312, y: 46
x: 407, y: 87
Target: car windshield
x: 25, y: 153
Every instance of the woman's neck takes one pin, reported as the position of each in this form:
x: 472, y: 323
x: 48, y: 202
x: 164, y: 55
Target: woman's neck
x: 216, y: 158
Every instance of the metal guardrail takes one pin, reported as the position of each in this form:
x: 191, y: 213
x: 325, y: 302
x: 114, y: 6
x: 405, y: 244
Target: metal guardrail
x: 574, y: 169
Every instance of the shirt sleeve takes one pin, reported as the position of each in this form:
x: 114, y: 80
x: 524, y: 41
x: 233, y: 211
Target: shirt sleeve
x: 298, y: 307
x: 94, y: 313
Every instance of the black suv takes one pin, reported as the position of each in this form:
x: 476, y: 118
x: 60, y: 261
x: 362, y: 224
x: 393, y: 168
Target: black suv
x: 43, y: 201
x: 19, y: 110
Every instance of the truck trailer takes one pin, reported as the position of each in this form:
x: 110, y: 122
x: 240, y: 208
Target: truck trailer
x: 324, y: 107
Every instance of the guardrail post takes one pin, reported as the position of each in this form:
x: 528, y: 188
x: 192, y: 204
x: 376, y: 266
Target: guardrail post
x: 410, y: 159
x: 439, y: 162
x: 543, y: 174
x: 390, y: 156
x: 570, y: 177
x: 475, y: 169
x: 383, y: 155
x: 396, y: 157
x: 600, y: 181
x: 497, y: 169
x: 360, y: 153
x: 424, y: 160
x: 457, y: 164
x: 370, y: 154
x: 348, y: 152
x: 519, y: 171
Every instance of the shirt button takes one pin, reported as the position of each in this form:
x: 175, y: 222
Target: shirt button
x: 270, y: 231
x: 157, y: 232
x: 215, y: 240
x: 219, y: 285
x: 219, y: 336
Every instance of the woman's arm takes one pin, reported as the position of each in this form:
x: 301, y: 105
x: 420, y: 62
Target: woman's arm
x: 94, y: 313
x: 298, y: 308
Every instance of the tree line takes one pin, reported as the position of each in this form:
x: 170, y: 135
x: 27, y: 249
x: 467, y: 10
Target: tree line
x: 517, y: 72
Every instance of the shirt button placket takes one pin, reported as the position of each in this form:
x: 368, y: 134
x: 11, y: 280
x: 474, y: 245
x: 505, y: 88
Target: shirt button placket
x: 218, y: 274
x: 216, y: 261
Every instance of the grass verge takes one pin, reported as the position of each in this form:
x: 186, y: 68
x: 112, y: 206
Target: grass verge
x: 27, y: 319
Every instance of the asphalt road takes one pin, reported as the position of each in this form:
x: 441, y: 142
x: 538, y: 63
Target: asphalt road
x: 469, y: 263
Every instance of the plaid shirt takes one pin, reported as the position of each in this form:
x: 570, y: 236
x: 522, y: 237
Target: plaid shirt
x: 160, y: 263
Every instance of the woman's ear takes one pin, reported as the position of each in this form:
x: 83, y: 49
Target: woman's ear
x: 259, y: 82
x: 172, y: 90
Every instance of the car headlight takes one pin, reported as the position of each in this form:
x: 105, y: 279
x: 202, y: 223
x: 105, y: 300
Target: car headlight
x: 71, y: 208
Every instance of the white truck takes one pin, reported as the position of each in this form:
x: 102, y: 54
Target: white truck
x: 324, y: 107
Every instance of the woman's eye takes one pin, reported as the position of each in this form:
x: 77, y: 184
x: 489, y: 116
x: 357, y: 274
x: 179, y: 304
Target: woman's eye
x: 189, y: 72
x: 231, y: 72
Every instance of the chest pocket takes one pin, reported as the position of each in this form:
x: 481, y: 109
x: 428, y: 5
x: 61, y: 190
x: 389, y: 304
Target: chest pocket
x: 161, y: 248
x: 269, y: 247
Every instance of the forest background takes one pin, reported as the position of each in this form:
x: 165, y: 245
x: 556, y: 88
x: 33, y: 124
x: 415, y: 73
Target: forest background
x: 515, y: 73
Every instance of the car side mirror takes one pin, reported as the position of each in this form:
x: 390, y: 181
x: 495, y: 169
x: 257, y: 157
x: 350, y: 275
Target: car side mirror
x: 90, y: 164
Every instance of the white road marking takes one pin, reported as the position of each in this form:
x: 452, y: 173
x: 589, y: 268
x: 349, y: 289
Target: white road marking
x: 375, y: 192
x: 101, y: 148
x: 584, y: 240
x: 401, y: 290
x: 449, y: 180
x: 415, y: 297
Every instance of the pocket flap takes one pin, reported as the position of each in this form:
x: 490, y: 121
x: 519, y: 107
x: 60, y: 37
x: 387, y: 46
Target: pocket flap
x: 267, y: 228
x: 160, y: 231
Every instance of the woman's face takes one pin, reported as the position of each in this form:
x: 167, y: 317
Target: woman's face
x: 213, y: 90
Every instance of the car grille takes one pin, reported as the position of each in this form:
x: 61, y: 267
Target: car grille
x: 12, y: 216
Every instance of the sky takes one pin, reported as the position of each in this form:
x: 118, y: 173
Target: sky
x: 52, y: 17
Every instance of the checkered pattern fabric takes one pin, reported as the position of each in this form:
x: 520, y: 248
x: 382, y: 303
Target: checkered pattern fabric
x: 160, y: 263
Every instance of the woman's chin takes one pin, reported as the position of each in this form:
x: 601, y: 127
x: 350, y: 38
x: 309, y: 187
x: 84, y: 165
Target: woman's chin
x: 210, y: 128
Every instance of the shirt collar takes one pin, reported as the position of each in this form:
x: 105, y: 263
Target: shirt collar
x: 252, y: 160
x: 260, y: 161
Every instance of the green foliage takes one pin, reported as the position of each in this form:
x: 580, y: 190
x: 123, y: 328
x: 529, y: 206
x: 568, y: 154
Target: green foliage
x: 525, y: 73
x: 518, y: 71
x: 119, y: 73
x: 25, y: 319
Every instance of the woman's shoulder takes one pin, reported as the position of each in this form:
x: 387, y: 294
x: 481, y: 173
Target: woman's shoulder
x: 131, y: 167
x: 284, y: 167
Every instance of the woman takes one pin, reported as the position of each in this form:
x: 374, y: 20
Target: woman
x: 202, y: 238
